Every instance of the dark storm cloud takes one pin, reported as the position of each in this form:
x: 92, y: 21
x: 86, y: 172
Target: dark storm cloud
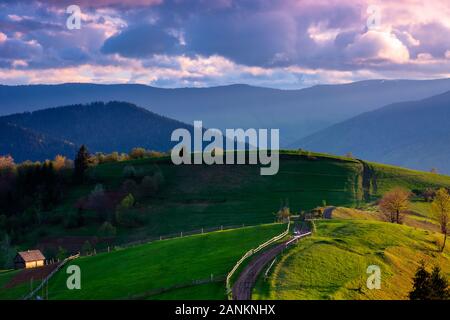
x: 141, y: 41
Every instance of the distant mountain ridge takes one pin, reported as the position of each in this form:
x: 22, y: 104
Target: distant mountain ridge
x: 413, y: 134
x: 103, y: 127
x: 25, y: 144
x: 297, y: 113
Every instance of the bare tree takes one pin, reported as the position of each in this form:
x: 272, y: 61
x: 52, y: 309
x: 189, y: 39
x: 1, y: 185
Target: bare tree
x: 440, y: 208
x: 394, y: 203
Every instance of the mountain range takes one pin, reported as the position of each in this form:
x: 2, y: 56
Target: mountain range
x: 297, y: 113
x: 102, y: 127
x: 26, y: 144
x: 413, y: 134
x: 334, y: 119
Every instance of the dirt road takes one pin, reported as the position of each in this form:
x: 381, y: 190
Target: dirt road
x: 242, y: 288
x: 327, y: 213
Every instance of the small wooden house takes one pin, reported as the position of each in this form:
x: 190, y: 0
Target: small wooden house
x: 29, y: 259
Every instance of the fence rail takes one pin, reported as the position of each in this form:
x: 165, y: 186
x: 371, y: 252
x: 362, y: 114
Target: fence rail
x: 47, y: 278
x: 253, y: 251
x: 180, y: 234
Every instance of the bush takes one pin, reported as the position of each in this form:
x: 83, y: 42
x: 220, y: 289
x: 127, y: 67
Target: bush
x: 137, y: 153
x: 86, y: 249
x: 61, y: 254
x: 107, y: 230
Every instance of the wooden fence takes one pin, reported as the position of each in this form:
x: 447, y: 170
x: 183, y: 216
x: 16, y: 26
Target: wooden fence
x: 45, y: 281
x: 181, y: 234
x: 253, y: 251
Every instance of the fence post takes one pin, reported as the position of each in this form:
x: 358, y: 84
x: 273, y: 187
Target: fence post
x: 181, y: 234
x: 221, y: 228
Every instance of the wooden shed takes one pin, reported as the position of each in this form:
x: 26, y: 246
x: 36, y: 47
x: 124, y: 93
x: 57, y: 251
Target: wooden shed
x: 29, y: 259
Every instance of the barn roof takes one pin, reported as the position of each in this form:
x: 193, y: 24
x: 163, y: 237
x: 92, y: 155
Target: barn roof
x: 31, y: 255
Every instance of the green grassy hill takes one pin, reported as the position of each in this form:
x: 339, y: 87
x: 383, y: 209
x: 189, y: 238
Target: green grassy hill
x: 197, y: 196
x: 131, y: 272
x: 332, y: 263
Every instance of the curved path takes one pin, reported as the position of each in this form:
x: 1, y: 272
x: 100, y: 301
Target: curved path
x: 327, y: 213
x: 242, y: 288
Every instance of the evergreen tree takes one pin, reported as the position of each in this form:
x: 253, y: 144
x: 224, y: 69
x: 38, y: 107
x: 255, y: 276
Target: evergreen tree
x: 439, y: 285
x: 429, y: 286
x: 421, y: 288
x: 81, y: 164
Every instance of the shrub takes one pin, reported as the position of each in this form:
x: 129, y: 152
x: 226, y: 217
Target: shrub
x: 6, y: 163
x: 61, y: 254
x: 107, y: 230
x: 86, y: 249
x: 137, y: 153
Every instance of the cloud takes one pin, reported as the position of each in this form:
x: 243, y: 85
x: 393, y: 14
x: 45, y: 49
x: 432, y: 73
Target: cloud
x: 201, y: 42
x: 141, y: 41
x: 377, y: 46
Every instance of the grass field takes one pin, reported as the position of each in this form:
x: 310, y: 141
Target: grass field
x: 388, y: 176
x: 332, y: 263
x: 15, y: 292
x: 200, y: 196
x: 133, y: 271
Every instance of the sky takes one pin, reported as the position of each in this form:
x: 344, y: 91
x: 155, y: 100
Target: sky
x: 285, y: 44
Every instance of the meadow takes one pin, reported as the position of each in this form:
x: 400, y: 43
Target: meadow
x: 332, y: 263
x: 192, y: 197
x: 131, y: 273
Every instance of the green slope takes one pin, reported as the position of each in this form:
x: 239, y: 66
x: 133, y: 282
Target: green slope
x: 134, y: 271
x: 197, y: 196
x: 332, y: 263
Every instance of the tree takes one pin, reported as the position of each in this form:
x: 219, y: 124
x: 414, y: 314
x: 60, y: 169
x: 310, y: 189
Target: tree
x: 86, y: 249
x: 107, y: 230
x: 6, y: 162
x: 439, y: 285
x: 283, y: 214
x: 81, y: 164
x: 440, y: 208
x: 421, y: 289
x: 429, y: 194
x: 59, y: 162
x: 429, y: 286
x: 62, y: 254
x: 7, y: 252
x: 137, y: 153
x: 394, y: 203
